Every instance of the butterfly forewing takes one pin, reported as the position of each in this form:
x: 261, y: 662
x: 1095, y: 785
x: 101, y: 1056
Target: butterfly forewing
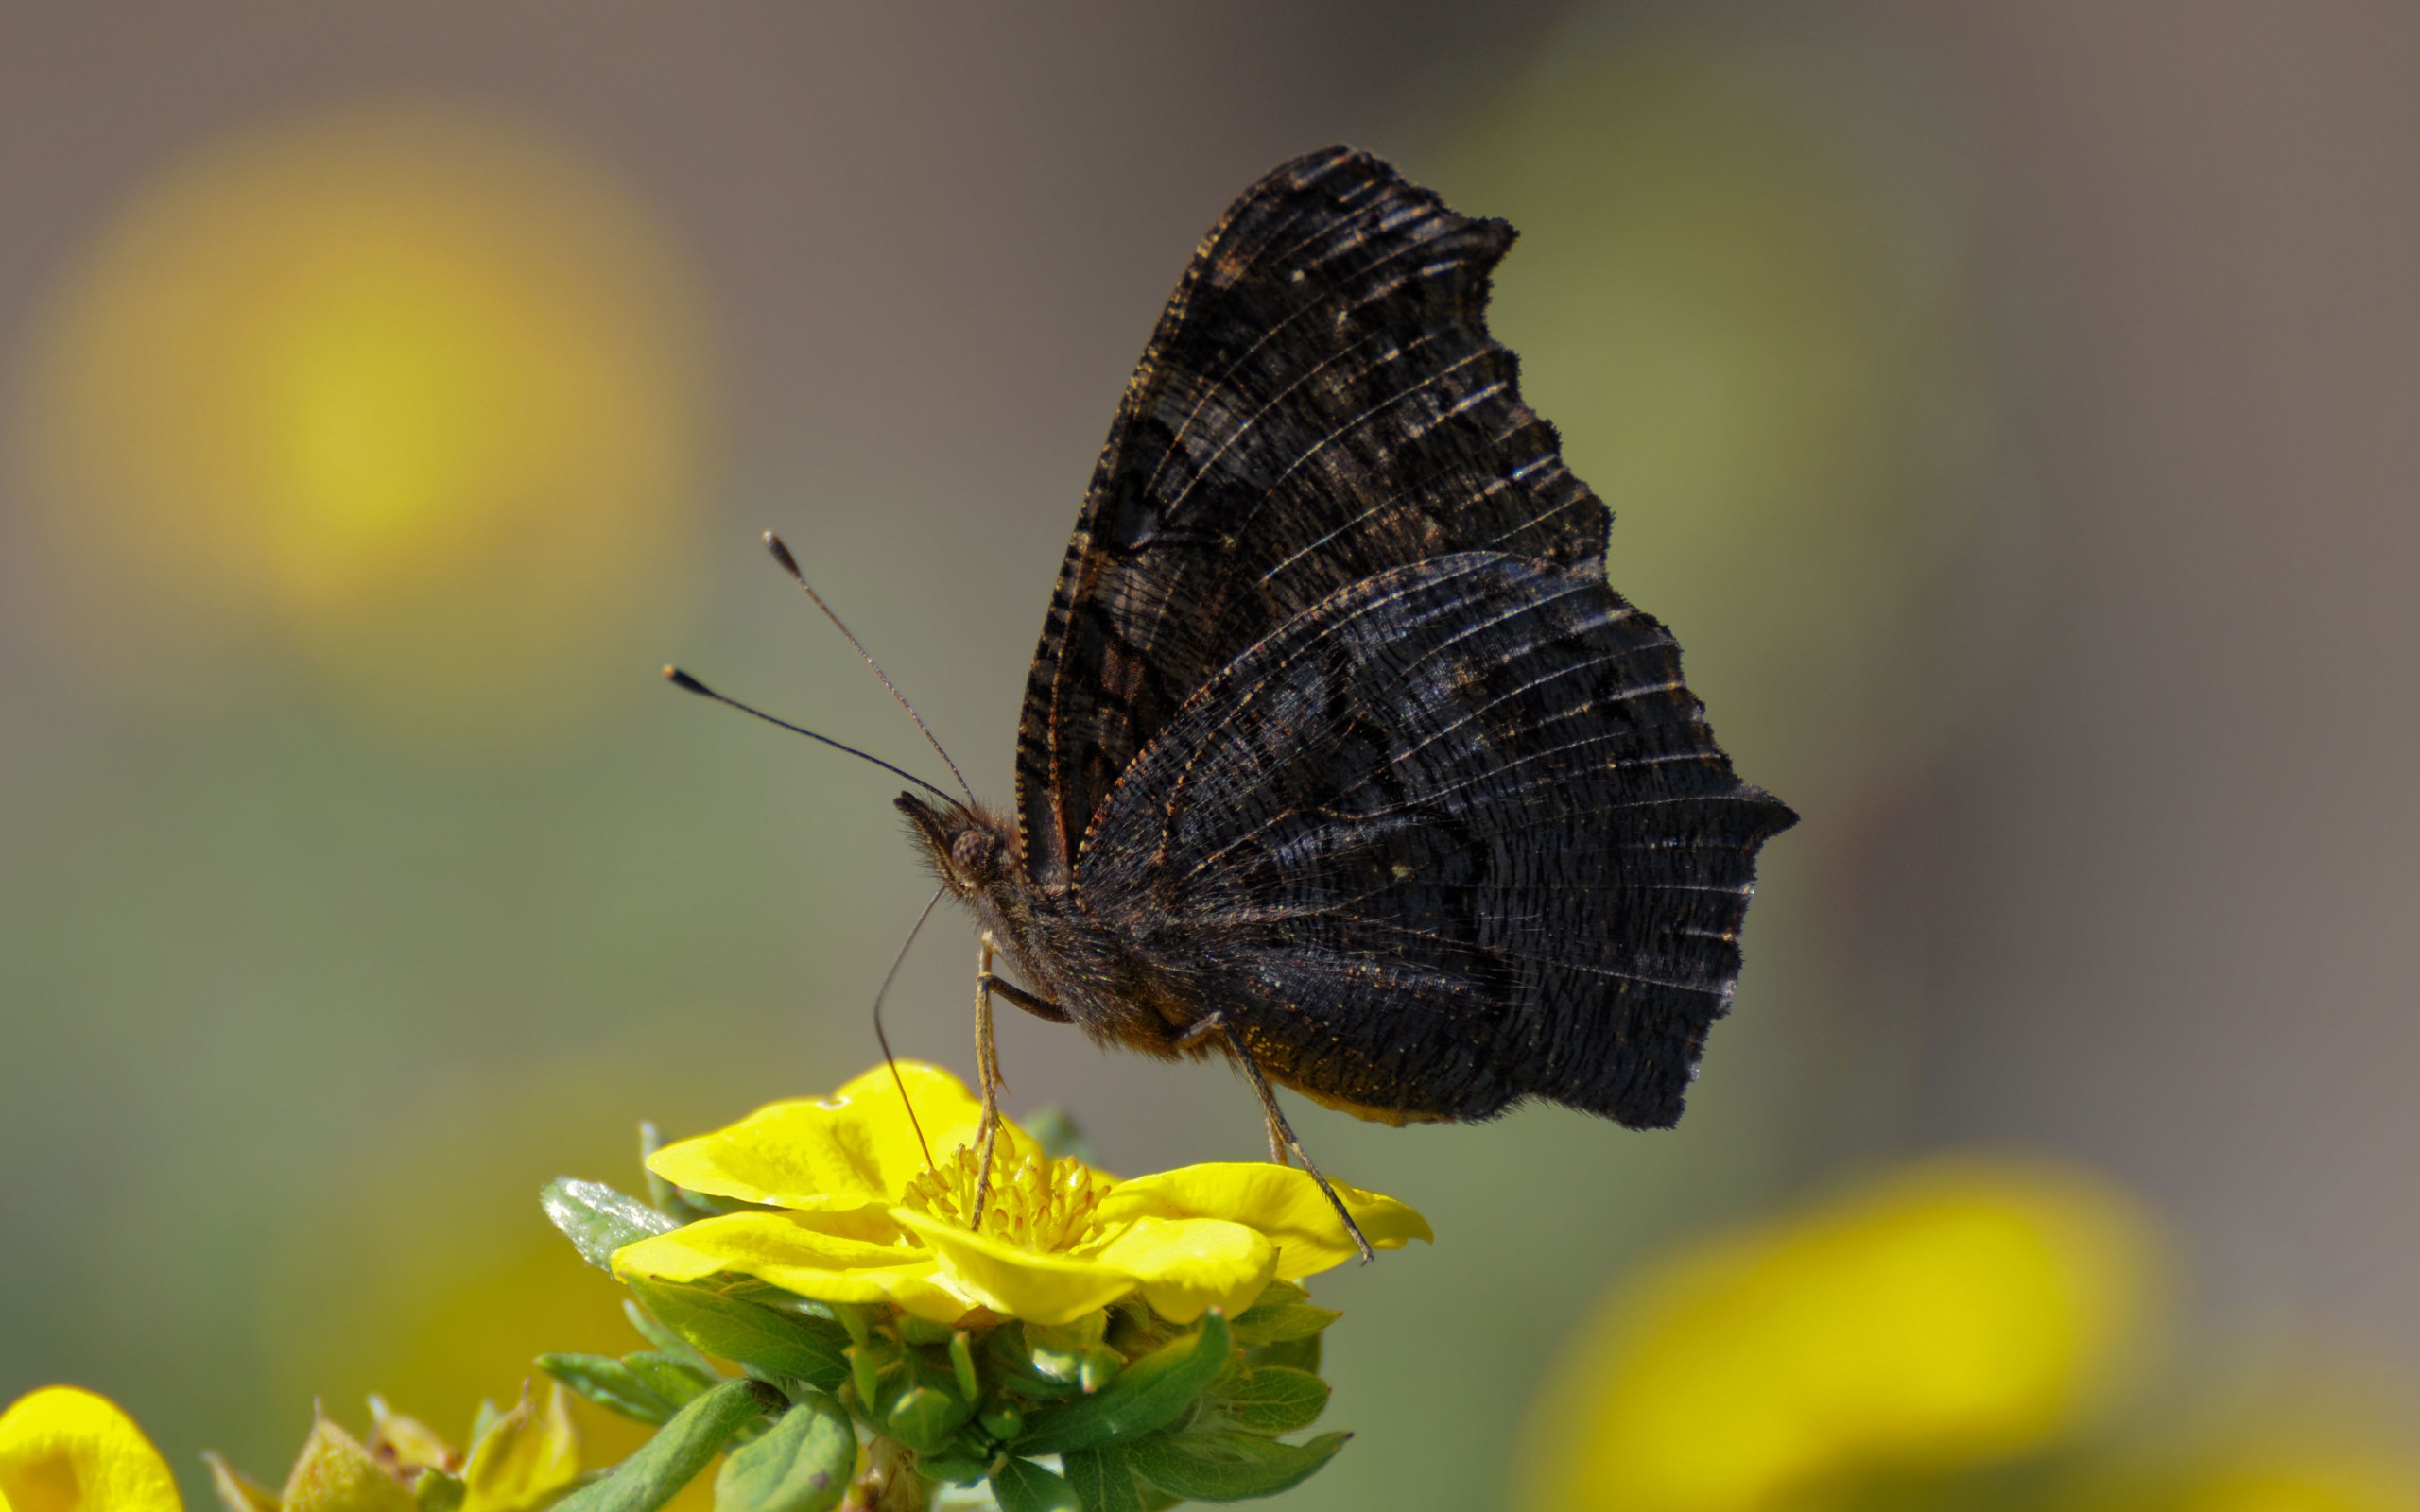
x: 1321, y: 402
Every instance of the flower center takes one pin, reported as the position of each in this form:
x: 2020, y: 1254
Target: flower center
x: 1037, y: 1202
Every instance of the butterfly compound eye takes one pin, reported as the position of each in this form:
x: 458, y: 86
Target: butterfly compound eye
x: 972, y: 855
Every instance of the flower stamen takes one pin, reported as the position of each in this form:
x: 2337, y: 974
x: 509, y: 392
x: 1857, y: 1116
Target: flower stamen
x: 1035, y: 1201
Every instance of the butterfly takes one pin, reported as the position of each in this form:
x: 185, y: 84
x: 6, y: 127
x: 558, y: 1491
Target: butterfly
x: 1339, y: 756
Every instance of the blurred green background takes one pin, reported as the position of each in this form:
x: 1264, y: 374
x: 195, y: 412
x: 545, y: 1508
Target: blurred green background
x: 2009, y: 405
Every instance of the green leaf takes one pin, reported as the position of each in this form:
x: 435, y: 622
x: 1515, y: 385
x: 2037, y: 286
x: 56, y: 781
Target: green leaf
x: 1229, y: 1467
x: 1021, y: 1485
x: 1102, y: 1478
x: 669, y: 1378
x: 1284, y: 1325
x: 1152, y: 1393
x: 1274, y: 1400
x: 802, y: 1465
x: 667, y: 1342
x: 599, y: 1220
x: 782, y: 1344
x: 679, y: 1451
x: 608, y: 1382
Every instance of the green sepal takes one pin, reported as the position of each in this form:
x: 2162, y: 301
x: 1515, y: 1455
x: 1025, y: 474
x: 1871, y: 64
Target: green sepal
x: 802, y: 1464
x: 916, y: 1330
x: 435, y: 1491
x: 1152, y: 1393
x: 1229, y: 1467
x: 1003, y: 1421
x: 1294, y: 1354
x: 1272, y: 1399
x: 780, y: 1342
x: 483, y: 1420
x: 962, y: 1365
x: 917, y: 1404
x: 679, y: 1451
x: 671, y: 1378
x: 238, y: 1491
x: 1021, y: 1485
x: 599, y: 1220
x: 1010, y: 1360
x: 608, y: 1382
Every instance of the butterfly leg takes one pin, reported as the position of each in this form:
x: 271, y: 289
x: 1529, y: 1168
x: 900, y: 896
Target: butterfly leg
x: 1281, y: 1134
x: 987, y: 1072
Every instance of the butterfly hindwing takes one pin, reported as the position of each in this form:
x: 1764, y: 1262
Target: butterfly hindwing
x: 1321, y: 402
x: 1458, y: 835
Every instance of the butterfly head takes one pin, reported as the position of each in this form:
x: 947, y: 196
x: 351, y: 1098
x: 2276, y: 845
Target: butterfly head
x: 970, y: 849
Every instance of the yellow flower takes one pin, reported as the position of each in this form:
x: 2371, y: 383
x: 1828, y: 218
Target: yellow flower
x: 1951, y: 1314
x: 863, y: 1219
x: 63, y: 1449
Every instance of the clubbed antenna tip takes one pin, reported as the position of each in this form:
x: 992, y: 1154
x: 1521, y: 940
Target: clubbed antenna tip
x: 688, y: 684
x: 781, y: 554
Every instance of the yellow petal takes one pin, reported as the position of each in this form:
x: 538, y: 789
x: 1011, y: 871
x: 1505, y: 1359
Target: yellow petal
x: 1186, y: 1265
x: 1279, y: 1201
x: 525, y: 1459
x: 827, y: 1257
x: 333, y: 1474
x: 1010, y: 1278
x: 63, y: 1449
x: 855, y: 1148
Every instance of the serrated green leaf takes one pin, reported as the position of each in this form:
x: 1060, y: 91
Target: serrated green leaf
x: 608, y: 1382
x: 669, y: 1379
x: 1152, y: 1393
x: 679, y: 1451
x: 599, y: 1220
x: 802, y: 1465
x: 1227, y: 1467
x: 779, y: 1343
x: 1103, y: 1479
x: 1021, y: 1485
x: 1273, y: 1399
x: 1282, y: 1325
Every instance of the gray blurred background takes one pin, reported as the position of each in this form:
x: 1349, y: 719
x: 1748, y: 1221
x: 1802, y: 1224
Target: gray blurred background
x: 2011, y: 406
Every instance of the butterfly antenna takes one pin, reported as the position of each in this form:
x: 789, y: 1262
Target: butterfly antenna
x: 790, y: 565
x: 688, y: 684
x: 883, y: 1039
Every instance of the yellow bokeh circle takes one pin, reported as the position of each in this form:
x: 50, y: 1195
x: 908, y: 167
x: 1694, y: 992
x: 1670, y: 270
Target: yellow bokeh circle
x: 410, y: 392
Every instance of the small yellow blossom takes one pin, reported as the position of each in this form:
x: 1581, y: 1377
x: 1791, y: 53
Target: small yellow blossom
x: 1951, y: 1314
x: 63, y: 1449
x: 862, y: 1218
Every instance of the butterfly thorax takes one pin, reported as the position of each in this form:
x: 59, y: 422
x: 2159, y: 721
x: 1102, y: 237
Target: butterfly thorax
x: 1115, y: 992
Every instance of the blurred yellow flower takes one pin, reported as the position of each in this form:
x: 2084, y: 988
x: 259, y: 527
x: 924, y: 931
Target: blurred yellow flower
x: 63, y: 1449
x: 1953, y: 1314
x: 864, y: 1220
x: 409, y: 389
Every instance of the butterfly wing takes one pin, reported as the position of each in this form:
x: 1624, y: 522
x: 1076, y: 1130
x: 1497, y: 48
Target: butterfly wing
x: 1458, y: 836
x: 1321, y: 402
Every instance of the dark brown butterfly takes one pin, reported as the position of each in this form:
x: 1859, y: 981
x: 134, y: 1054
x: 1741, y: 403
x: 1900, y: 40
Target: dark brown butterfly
x: 1339, y: 756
